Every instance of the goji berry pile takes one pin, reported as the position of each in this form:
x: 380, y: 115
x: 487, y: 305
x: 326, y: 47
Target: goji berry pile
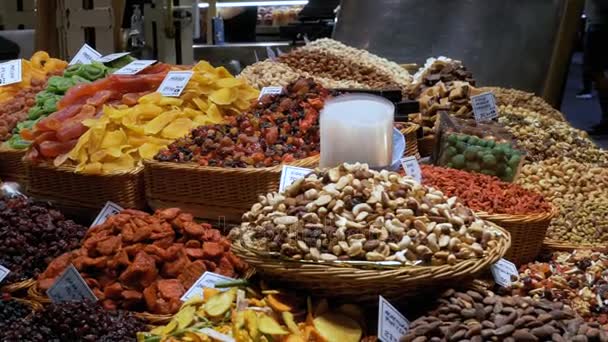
x: 278, y: 129
x: 484, y: 193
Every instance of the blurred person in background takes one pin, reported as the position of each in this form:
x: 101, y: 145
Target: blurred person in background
x: 596, y: 55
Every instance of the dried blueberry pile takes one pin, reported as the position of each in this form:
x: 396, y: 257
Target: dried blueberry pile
x: 32, y: 235
x: 11, y: 311
x: 75, y: 321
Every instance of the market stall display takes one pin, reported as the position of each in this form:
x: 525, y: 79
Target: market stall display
x: 74, y: 321
x: 480, y: 315
x: 524, y: 213
x: 523, y: 99
x: 250, y: 314
x: 351, y: 215
x: 144, y: 262
x: 32, y: 234
x: 233, y: 163
x: 577, y: 278
x: 435, y: 70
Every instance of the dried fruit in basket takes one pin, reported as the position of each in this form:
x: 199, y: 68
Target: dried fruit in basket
x: 145, y: 262
x: 123, y: 136
x: 278, y: 129
x: 353, y: 213
x: 247, y: 316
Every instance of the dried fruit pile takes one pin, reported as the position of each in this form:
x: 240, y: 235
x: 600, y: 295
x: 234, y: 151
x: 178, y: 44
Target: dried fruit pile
x: 122, y: 137
x: 56, y: 87
x: 353, y: 213
x: 437, y: 70
x: 145, y: 262
x: 544, y: 137
x: 484, y: 193
x: 10, y: 312
x: 54, y: 136
x: 478, y: 316
x: 31, y: 235
x: 278, y: 129
x: 252, y: 315
x: 579, y: 279
x: 74, y: 321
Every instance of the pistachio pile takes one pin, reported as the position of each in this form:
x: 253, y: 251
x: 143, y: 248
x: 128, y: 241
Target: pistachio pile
x: 520, y: 98
x: 478, y: 316
x: 581, y: 222
x: 544, y: 137
x: 351, y: 212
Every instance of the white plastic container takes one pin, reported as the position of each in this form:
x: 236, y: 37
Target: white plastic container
x: 357, y: 128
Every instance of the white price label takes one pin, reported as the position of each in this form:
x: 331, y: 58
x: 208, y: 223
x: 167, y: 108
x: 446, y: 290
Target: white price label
x: 174, y: 83
x: 134, y: 67
x: 208, y: 279
x: 111, y: 57
x: 10, y: 72
x: 290, y: 174
x: 216, y: 335
x: 3, y: 272
x: 270, y: 91
x: 85, y: 55
x: 70, y: 287
x: 391, y: 323
x: 108, y: 210
x: 484, y: 107
x: 412, y: 168
x: 504, y: 271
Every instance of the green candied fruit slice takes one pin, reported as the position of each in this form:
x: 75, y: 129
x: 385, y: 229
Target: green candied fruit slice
x: 458, y: 161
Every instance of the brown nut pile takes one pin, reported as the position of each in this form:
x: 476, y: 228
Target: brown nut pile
x: 268, y: 73
x: 453, y: 98
x: 328, y: 65
x: 353, y: 213
x: 442, y: 69
x: 520, y: 98
x: 481, y: 315
x: 581, y: 222
x: 544, y: 137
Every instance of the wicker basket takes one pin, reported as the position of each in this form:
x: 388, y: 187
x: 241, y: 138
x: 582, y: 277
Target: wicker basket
x: 364, y: 285
x: 67, y: 188
x: 18, y: 287
x: 12, y: 167
x: 566, y: 246
x: 211, y: 192
x: 410, y: 131
x: 426, y: 145
x: 527, y: 233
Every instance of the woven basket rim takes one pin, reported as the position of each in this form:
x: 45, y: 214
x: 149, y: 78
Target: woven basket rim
x: 411, y: 127
x: 491, y: 256
x: 228, y: 170
x: 566, y: 245
x: 72, y: 169
x: 521, y: 218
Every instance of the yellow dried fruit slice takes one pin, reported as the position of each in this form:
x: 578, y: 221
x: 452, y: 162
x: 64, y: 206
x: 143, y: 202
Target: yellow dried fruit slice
x: 269, y: 326
x: 148, y: 150
x: 158, y: 123
x: 185, y: 317
x: 223, y: 96
x: 177, y: 129
x: 221, y: 303
x: 229, y: 82
x: 337, y: 328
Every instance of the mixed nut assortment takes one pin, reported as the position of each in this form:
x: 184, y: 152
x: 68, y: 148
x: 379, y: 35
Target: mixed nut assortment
x: 544, y: 137
x: 523, y: 99
x: 583, y: 222
x: 144, y: 262
x: 31, y: 235
x: 480, y: 315
x: 74, y: 321
x: 579, y: 279
x: 351, y: 212
x: 484, y: 193
x: 278, y: 129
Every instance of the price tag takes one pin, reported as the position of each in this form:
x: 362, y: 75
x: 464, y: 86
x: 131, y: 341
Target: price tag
x: 10, y: 72
x: 290, y: 174
x: 174, y: 83
x: 70, y: 287
x: 208, y: 279
x: 85, y: 55
x: 484, y: 107
x: 391, y: 323
x: 504, y: 271
x: 108, y: 210
x: 412, y: 168
x: 111, y: 57
x: 3, y: 272
x: 216, y: 335
x: 270, y: 91
x: 134, y: 67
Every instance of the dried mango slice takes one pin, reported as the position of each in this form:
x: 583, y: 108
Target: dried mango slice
x: 146, y: 111
x: 229, y: 82
x: 159, y: 122
x: 177, y: 129
x: 125, y: 162
x: 185, y: 316
x: 202, y: 105
x: 214, y: 114
x: 150, y: 98
x: 223, y: 96
x: 148, y: 150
